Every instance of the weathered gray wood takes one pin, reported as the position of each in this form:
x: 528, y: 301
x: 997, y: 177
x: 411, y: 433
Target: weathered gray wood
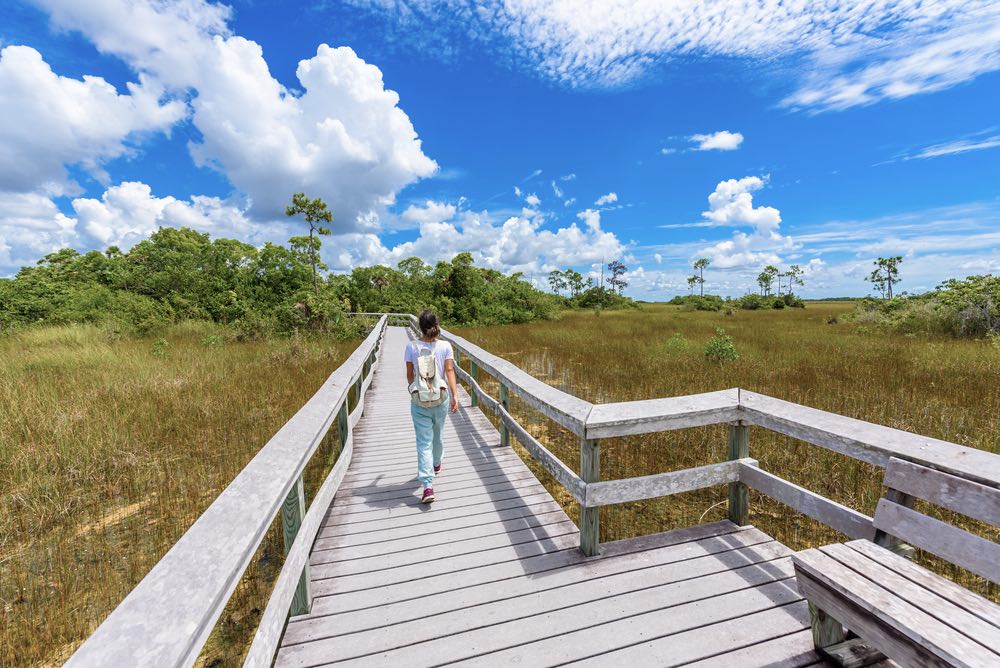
x: 969, y: 551
x: 957, y: 594
x: 474, y: 373
x: 167, y: 618
x: 650, y: 415
x: 739, y: 497
x: 869, y: 442
x: 292, y: 512
x: 901, y: 631
x: 948, y: 491
x: 505, y: 403
x: 663, y: 484
x: 918, y: 595
x: 888, y: 541
x: 590, y: 518
x: 830, y: 513
x: 569, y: 411
x: 852, y: 653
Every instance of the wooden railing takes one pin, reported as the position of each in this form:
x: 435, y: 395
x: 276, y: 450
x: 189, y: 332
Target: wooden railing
x: 167, y: 618
x: 739, y: 409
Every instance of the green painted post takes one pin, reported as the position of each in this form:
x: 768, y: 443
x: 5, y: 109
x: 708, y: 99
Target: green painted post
x: 739, y: 497
x: 292, y: 512
x: 474, y: 372
x: 590, y: 518
x: 505, y: 402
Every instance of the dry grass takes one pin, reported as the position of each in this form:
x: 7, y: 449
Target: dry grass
x: 942, y: 388
x: 109, y: 449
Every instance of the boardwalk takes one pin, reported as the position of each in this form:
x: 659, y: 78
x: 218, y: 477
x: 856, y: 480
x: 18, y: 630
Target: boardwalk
x: 492, y: 574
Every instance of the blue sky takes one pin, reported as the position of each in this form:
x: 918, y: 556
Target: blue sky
x: 536, y: 135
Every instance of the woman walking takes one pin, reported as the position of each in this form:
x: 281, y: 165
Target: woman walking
x: 429, y: 362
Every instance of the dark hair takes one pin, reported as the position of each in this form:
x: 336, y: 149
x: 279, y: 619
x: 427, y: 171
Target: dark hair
x: 429, y: 324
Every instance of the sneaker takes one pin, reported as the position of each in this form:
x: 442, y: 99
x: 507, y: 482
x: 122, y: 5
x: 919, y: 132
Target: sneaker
x: 437, y: 469
x: 428, y: 495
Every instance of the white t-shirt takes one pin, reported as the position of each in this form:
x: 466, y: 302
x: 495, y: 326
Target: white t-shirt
x: 442, y: 351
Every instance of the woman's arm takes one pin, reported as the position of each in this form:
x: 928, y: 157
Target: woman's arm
x: 409, y: 373
x: 449, y: 372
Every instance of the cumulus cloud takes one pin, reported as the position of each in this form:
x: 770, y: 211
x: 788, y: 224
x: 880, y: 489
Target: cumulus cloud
x: 430, y: 212
x: 604, y: 200
x: 857, y: 52
x: 51, y: 121
x: 343, y: 138
x: 723, y: 140
x: 532, y: 200
x: 731, y: 204
x: 518, y: 243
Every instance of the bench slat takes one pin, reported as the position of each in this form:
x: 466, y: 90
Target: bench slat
x: 945, y: 588
x: 903, y: 632
x: 948, y: 491
x: 923, y: 598
x: 969, y: 551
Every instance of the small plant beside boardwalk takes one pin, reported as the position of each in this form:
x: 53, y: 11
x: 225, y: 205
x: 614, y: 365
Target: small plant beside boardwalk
x: 721, y: 348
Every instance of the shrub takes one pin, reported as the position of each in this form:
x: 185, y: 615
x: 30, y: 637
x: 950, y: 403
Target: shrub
x: 721, y: 348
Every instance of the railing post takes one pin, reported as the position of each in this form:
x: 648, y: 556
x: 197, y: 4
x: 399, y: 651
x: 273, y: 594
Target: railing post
x: 292, y: 512
x: 343, y: 424
x: 505, y: 402
x: 590, y: 519
x: 888, y: 541
x: 739, y: 497
x: 474, y: 372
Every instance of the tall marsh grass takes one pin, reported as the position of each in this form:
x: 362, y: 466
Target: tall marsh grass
x: 944, y: 388
x: 110, y: 448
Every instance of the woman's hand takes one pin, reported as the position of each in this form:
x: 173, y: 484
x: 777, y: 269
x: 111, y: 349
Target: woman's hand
x: 454, y: 404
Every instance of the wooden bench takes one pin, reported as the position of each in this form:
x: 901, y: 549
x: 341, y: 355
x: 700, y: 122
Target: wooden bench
x: 895, y: 607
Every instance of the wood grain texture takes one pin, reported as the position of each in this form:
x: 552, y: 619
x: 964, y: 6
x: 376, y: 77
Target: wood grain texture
x: 663, y: 484
x: 963, y: 496
x: 739, y: 497
x: 845, y: 520
x: 590, y: 517
x: 651, y: 415
x: 969, y: 551
x: 168, y: 617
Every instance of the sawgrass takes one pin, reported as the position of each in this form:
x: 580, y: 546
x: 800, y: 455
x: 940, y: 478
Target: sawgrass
x: 944, y: 388
x: 110, y: 448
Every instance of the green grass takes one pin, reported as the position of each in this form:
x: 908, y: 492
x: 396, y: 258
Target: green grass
x: 110, y: 448
x: 943, y: 388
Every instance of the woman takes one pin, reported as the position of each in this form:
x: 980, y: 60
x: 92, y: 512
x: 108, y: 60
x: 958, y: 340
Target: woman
x: 428, y: 421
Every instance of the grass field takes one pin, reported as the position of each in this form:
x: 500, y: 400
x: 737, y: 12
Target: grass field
x: 109, y: 449
x: 943, y: 388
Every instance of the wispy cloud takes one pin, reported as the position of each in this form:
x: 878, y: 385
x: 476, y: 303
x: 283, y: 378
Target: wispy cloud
x: 954, y: 147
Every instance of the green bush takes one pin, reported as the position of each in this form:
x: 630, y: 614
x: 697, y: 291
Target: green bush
x: 720, y: 348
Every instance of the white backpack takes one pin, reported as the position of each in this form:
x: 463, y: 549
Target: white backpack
x: 427, y: 386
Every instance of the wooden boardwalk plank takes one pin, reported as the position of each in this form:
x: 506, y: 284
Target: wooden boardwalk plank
x: 491, y: 573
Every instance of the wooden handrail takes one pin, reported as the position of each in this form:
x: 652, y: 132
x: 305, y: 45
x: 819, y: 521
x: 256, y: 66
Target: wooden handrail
x: 169, y: 615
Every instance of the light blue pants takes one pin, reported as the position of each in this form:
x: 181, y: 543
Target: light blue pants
x: 428, y: 423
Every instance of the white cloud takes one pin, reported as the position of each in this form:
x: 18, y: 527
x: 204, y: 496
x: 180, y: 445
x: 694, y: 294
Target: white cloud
x: 958, y: 146
x: 668, y: 151
x: 343, y: 138
x: 517, y: 192
x: 856, y: 52
x: 570, y: 202
x: 567, y: 177
x: 556, y: 190
x: 517, y: 244
x: 658, y: 258
x: 610, y: 198
x: 532, y: 200
x: 430, y: 212
x: 731, y: 204
x: 723, y: 140
x: 51, y: 121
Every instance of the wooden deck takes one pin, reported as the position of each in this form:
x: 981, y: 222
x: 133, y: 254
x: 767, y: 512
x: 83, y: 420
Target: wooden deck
x: 492, y: 574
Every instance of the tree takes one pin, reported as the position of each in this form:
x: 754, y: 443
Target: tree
x: 692, y: 281
x: 794, y: 274
x: 699, y: 266
x: 766, y: 279
x: 574, y: 280
x: 557, y: 281
x: 315, y: 211
x: 414, y: 267
x: 617, y: 269
x: 885, y: 275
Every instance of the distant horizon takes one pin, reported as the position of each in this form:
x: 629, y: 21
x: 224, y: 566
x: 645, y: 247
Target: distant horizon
x: 533, y: 137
